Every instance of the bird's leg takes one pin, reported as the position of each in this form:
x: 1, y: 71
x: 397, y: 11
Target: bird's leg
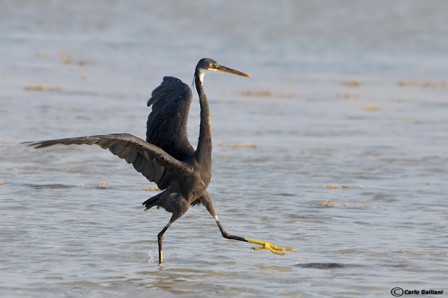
x: 160, y: 240
x: 208, y: 203
x: 178, y: 205
x: 173, y: 218
x: 264, y: 244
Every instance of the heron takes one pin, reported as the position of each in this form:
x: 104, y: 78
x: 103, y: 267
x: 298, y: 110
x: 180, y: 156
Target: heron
x: 166, y: 157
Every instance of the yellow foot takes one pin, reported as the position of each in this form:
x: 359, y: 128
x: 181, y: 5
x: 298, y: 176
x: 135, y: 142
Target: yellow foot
x: 266, y: 245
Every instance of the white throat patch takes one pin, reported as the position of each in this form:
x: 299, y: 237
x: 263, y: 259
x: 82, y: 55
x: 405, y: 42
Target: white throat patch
x: 203, y: 72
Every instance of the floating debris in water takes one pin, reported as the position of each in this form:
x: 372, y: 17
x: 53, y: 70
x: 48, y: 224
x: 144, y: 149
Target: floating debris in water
x: 371, y: 108
x: 238, y: 146
x: 322, y: 265
x: 424, y: 84
x: 101, y: 185
x: 50, y: 186
x: 66, y: 58
x: 349, y: 96
x: 334, y: 186
x: 328, y: 204
x: 260, y: 93
x: 245, y: 145
x: 42, y: 88
x: 267, y: 93
x: 352, y: 83
x: 330, y: 186
x: 35, y: 88
x: 152, y: 188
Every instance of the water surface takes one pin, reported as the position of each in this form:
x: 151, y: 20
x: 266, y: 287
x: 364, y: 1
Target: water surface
x: 336, y: 147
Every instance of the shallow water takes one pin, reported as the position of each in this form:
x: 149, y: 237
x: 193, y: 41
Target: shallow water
x: 336, y: 147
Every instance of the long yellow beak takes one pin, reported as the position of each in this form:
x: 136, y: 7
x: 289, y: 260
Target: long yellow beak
x: 232, y: 71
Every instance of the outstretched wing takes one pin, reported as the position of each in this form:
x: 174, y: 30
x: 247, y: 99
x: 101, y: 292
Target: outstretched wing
x: 167, y: 123
x: 154, y: 163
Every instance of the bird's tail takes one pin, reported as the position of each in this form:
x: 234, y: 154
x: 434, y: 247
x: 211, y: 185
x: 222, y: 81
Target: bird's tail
x: 151, y: 202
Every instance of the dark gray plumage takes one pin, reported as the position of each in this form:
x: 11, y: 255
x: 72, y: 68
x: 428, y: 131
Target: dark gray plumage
x: 154, y: 163
x: 167, y: 157
x: 167, y: 123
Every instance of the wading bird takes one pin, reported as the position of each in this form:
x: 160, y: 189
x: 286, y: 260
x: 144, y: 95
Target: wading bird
x: 167, y: 157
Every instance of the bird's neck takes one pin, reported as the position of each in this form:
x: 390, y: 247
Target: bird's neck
x: 204, y: 150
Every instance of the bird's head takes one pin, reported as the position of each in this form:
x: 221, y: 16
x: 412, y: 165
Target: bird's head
x: 206, y: 65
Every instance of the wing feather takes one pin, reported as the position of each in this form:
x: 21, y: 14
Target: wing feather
x: 167, y: 122
x: 154, y: 163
